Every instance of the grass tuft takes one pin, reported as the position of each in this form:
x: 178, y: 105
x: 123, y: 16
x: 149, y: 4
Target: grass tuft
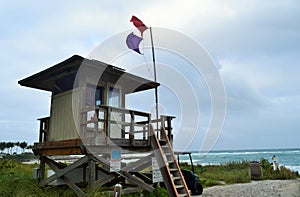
x: 16, y: 179
x: 237, y: 172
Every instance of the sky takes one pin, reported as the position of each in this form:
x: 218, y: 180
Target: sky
x: 254, y: 44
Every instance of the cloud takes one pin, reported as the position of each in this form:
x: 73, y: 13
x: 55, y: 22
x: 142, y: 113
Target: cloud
x: 243, y: 86
x: 256, y: 44
x: 254, y: 29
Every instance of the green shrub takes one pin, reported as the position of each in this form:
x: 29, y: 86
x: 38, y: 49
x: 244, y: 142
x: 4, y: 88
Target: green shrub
x: 7, y: 164
x: 283, y: 173
x: 20, y: 157
x: 236, y: 165
x: 228, y: 173
x: 206, y: 182
x: 16, y: 179
x: 265, y: 164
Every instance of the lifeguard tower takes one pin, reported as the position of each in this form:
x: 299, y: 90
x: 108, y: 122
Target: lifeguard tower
x: 88, y: 117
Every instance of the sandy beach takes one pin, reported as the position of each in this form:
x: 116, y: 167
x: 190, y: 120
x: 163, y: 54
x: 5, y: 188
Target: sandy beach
x: 267, y: 188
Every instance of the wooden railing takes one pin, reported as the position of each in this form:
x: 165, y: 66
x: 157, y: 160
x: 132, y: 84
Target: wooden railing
x: 164, y: 122
x: 99, y: 125
x: 110, y: 123
x: 44, y: 129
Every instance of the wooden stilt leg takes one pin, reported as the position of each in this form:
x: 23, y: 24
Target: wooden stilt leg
x: 42, y: 169
x: 92, y: 172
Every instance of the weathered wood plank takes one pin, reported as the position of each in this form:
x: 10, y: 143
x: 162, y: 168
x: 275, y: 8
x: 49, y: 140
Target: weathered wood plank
x: 137, y: 181
x: 131, y: 190
x: 92, y: 173
x: 103, y: 180
x: 73, y: 186
x: 131, y: 132
x: 60, y: 172
x: 143, y: 177
x: 42, y: 170
x: 140, y: 162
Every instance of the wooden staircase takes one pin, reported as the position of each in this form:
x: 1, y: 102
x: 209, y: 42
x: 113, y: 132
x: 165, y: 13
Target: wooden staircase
x: 169, y: 168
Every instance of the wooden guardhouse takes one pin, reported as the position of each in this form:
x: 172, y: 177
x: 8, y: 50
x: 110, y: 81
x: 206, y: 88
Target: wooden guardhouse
x: 88, y: 117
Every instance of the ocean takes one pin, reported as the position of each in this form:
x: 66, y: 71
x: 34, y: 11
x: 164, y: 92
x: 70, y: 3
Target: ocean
x: 289, y: 158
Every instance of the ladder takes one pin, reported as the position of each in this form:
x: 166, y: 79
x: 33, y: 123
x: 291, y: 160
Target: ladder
x: 169, y: 168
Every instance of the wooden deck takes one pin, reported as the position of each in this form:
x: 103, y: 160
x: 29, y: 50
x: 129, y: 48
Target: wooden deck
x: 77, y: 147
x: 97, y: 125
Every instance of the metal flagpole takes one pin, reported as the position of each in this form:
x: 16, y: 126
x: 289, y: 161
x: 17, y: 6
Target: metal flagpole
x: 155, y: 79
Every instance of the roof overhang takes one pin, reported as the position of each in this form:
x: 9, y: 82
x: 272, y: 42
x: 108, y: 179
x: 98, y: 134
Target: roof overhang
x: 64, y: 76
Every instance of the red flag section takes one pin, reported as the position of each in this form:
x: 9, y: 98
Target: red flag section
x: 139, y: 24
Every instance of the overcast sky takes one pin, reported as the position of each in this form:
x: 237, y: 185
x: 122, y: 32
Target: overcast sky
x: 255, y: 45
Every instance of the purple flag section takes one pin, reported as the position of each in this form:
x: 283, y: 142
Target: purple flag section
x: 133, y: 42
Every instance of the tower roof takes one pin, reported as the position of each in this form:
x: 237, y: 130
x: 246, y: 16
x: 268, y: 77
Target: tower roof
x: 62, y: 76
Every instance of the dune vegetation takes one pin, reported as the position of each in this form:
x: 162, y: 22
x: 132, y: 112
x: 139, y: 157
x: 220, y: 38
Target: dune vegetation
x: 16, y: 178
x: 238, y: 172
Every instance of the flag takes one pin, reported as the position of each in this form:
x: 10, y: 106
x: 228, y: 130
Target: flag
x: 139, y: 24
x: 133, y: 42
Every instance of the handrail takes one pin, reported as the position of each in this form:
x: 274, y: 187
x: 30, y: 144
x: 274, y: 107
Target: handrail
x: 132, y: 124
x: 174, y: 158
x: 117, y: 109
x: 128, y: 121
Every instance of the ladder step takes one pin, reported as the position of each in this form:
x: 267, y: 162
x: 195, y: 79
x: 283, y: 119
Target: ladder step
x: 171, y: 172
x: 170, y: 161
x: 162, y: 142
x: 179, y: 186
x: 176, y: 178
x: 182, y: 195
x: 166, y: 150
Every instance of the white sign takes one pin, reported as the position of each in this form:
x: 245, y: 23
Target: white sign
x: 115, y: 160
x: 156, y: 174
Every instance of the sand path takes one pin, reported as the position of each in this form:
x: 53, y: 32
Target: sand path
x: 267, y: 188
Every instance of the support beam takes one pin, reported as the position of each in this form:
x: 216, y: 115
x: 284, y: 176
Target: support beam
x: 42, y: 169
x: 128, y: 176
x: 60, y: 172
x: 103, y: 180
x: 137, y: 181
x: 133, y: 166
x: 92, y: 173
x: 73, y: 186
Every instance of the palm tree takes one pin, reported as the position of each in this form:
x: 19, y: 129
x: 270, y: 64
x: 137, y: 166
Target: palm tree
x: 17, y: 144
x: 6, y: 147
x: 2, y: 146
x: 23, y: 145
x: 30, y: 147
x: 9, y: 146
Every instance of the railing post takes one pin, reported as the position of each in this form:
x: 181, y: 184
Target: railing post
x: 46, y: 129
x: 149, y: 131
x: 107, y: 123
x: 83, y: 118
x: 96, y: 125
x: 162, y: 127
x: 144, y: 132
x: 41, y: 131
x: 169, y: 127
x: 95, y: 121
x: 131, y: 132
